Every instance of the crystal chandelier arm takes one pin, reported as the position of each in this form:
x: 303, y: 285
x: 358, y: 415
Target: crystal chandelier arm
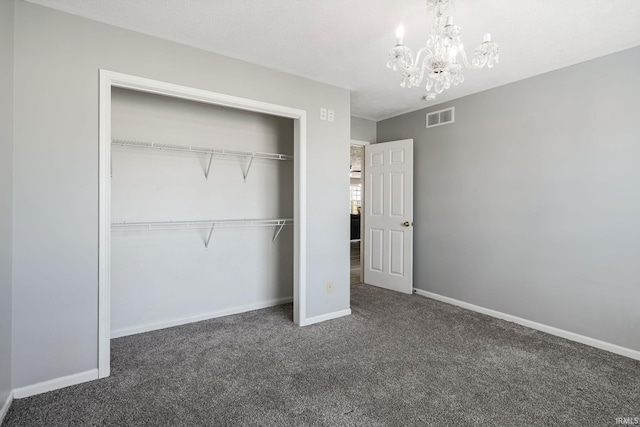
x: 423, y: 64
x: 424, y: 51
x: 465, y: 60
x: 486, y: 53
x: 405, y: 57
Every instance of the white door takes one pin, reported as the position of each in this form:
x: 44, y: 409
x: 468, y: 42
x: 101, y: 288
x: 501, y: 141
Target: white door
x: 388, y: 215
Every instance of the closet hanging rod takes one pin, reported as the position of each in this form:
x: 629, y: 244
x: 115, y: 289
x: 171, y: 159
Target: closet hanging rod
x: 178, y: 225
x: 204, y: 224
x: 200, y: 150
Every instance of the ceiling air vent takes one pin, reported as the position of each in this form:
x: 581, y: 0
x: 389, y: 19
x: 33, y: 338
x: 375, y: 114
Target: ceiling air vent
x: 441, y: 117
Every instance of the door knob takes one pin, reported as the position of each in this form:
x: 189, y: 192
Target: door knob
x: 406, y: 224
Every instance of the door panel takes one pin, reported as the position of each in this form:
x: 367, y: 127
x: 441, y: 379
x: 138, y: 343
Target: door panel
x: 376, y: 253
x: 397, y: 157
x: 377, y: 158
x: 388, y: 215
x: 377, y: 194
x: 397, y: 194
x: 396, y: 255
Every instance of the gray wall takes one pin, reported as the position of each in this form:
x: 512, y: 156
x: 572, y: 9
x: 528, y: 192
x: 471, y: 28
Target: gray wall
x: 363, y: 129
x: 6, y: 192
x: 160, y: 277
x: 56, y: 174
x: 528, y: 204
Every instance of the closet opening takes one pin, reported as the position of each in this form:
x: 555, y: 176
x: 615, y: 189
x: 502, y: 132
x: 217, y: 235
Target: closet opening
x: 201, y: 207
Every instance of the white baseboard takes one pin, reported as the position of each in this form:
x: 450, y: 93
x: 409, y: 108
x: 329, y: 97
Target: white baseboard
x: 55, y: 384
x: 123, y: 332
x: 5, y: 407
x: 602, y: 345
x: 323, y: 317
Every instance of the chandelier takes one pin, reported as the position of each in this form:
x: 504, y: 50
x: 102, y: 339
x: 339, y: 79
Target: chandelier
x: 438, y: 61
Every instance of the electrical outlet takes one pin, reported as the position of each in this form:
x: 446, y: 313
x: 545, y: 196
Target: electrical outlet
x: 329, y: 287
x: 323, y: 114
x: 330, y: 115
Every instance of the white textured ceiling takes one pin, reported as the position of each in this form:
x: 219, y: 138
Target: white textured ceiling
x: 345, y: 42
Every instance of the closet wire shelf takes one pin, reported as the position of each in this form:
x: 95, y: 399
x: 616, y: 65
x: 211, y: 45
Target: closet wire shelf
x: 203, y: 224
x: 203, y: 150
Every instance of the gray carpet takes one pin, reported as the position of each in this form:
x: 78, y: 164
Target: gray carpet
x: 399, y: 360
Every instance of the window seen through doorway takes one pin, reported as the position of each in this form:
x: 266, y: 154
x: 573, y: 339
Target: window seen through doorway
x: 356, y: 198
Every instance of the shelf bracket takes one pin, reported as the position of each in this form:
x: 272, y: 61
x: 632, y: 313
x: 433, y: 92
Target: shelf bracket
x: 275, y: 237
x: 246, y: 174
x: 206, y: 243
x: 206, y: 174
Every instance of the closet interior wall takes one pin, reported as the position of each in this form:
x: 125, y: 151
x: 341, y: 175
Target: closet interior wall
x: 165, y: 277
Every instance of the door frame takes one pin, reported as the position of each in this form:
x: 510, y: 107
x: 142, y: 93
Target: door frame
x: 110, y: 79
x: 362, y: 166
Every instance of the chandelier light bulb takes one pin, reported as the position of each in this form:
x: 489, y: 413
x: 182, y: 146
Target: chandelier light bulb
x: 399, y: 34
x: 437, y: 63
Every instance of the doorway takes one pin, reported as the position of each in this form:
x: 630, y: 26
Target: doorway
x: 388, y: 215
x: 356, y: 204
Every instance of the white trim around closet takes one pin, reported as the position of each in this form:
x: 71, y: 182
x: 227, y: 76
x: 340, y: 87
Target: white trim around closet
x: 5, y: 406
x: 124, y: 332
x: 110, y: 79
x: 55, y: 384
